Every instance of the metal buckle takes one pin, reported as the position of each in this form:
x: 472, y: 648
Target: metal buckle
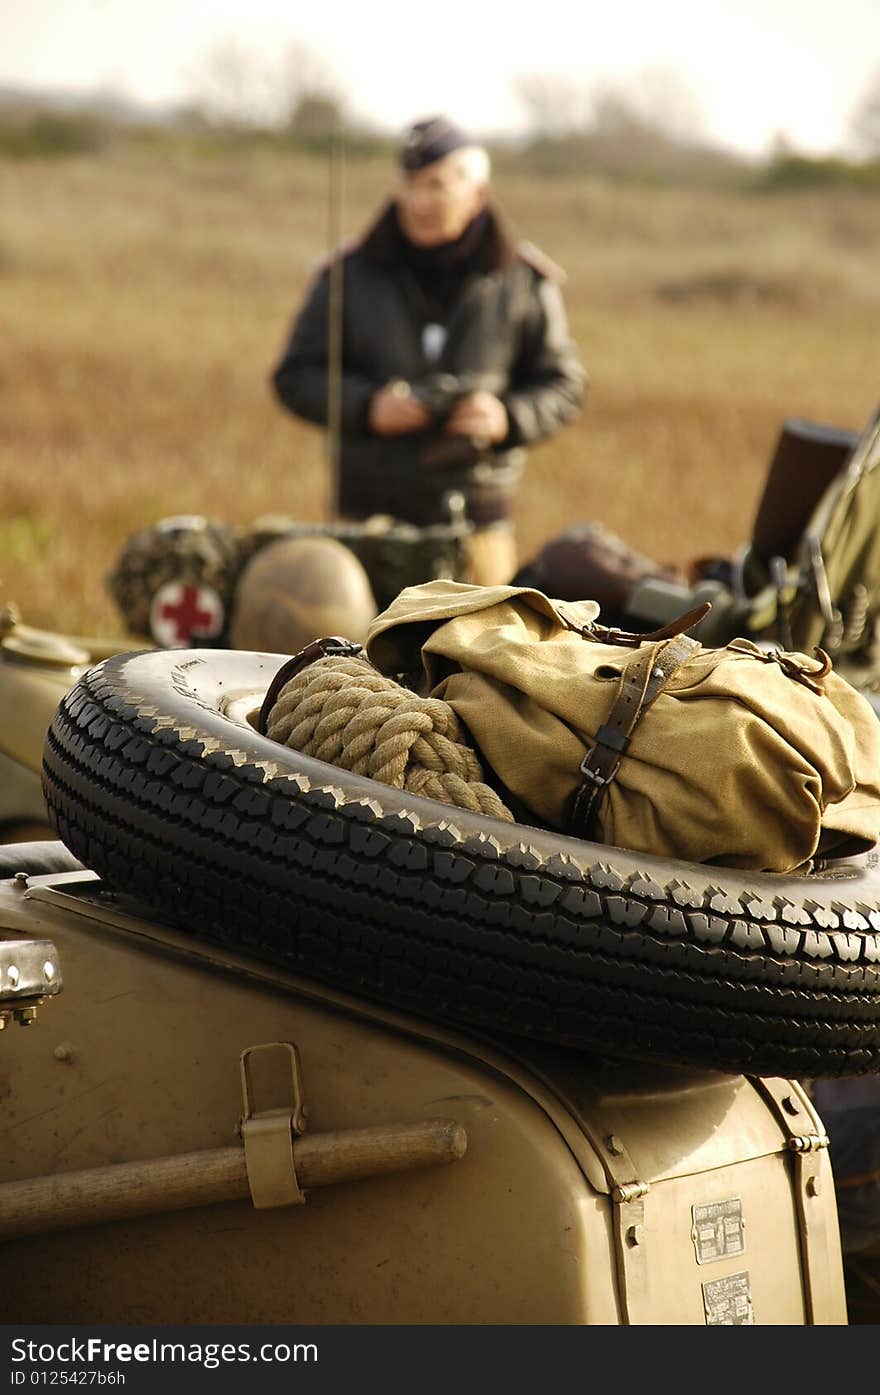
x: 593, y: 776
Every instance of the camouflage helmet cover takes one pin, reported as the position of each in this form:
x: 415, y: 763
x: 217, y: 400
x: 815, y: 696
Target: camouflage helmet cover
x: 173, y: 582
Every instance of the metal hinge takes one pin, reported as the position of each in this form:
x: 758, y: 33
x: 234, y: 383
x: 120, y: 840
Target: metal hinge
x: 821, y: 1263
x: 628, y: 1223
x: 271, y: 1070
x: 630, y: 1191
x: 808, y: 1142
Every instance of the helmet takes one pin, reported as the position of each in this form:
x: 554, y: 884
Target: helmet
x: 173, y: 582
x: 294, y: 590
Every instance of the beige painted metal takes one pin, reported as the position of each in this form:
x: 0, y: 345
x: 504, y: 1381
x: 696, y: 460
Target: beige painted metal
x: 589, y: 1193
x: 22, y: 807
x: 37, y: 667
x: 31, y: 687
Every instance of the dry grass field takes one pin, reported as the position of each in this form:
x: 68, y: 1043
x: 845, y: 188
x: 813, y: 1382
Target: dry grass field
x: 144, y: 297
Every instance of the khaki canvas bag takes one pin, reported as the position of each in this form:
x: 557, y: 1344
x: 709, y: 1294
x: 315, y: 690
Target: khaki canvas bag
x: 730, y: 756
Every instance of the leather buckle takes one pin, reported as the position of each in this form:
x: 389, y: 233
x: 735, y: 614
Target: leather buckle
x: 594, y: 777
x: 330, y: 647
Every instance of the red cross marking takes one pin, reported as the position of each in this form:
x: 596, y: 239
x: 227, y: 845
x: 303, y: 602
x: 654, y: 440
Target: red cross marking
x: 186, y: 614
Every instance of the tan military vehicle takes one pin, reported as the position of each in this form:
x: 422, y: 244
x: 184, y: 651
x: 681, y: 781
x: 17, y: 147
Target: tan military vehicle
x: 309, y: 1050
x: 304, y: 1048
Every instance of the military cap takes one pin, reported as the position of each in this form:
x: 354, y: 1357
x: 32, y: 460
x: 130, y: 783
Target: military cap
x: 430, y: 140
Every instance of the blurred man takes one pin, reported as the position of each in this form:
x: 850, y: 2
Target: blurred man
x: 455, y: 352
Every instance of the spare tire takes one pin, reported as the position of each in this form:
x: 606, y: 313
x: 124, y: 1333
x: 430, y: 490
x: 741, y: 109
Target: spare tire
x: 155, y: 778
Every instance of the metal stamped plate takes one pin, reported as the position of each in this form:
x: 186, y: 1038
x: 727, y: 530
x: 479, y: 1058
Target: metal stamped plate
x: 728, y: 1302
x: 718, y: 1230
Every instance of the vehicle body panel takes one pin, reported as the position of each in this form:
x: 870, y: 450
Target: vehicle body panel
x: 139, y: 1058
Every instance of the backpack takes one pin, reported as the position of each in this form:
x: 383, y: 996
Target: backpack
x: 734, y: 755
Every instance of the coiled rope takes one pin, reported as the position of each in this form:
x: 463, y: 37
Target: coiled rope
x: 341, y: 711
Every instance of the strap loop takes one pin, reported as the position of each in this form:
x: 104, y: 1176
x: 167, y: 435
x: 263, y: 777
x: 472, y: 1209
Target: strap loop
x: 642, y: 680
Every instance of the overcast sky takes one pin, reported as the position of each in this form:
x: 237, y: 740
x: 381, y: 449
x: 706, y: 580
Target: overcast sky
x: 751, y: 68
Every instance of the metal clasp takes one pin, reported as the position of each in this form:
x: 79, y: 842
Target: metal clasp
x: 268, y: 1133
x: 810, y: 677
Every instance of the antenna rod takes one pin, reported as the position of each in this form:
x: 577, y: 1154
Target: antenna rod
x: 334, y: 328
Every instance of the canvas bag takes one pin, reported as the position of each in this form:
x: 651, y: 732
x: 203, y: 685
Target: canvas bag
x: 738, y: 758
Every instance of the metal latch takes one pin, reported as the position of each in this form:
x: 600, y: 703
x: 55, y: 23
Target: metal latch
x: 268, y: 1072
x: 29, y: 974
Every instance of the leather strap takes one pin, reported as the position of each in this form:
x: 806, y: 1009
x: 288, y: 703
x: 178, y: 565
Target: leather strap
x: 632, y: 639
x: 641, y: 681
x: 332, y: 646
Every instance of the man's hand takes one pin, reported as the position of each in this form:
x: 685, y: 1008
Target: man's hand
x: 479, y: 415
x: 394, y: 411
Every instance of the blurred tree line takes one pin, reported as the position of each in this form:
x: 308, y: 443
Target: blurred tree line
x: 648, y: 129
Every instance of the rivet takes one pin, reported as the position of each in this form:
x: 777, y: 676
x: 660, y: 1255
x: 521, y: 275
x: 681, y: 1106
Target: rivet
x: 48, y: 971
x: 634, y: 1235
x: 63, y: 1051
x: 613, y: 1144
x: 13, y: 976
x: 789, y: 1105
x: 814, y: 1186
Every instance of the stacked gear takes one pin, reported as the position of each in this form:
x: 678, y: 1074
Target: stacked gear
x: 808, y: 576
x: 191, y: 581
x: 837, y: 597
x: 589, y: 560
x: 393, y: 554
x: 734, y: 755
x: 810, y: 573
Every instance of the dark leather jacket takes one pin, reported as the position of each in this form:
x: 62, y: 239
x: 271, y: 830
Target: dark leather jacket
x: 506, y: 333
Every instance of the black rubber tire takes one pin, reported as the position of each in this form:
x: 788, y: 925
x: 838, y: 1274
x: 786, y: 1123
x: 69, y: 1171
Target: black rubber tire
x: 504, y: 927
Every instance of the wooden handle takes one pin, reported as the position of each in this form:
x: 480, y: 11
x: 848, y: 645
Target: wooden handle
x: 99, y: 1194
